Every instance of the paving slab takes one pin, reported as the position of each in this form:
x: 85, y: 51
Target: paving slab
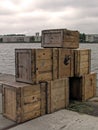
x: 61, y: 120
x: 5, y: 123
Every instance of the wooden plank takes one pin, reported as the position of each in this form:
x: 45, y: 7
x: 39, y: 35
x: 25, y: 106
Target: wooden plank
x: 67, y: 93
x: 32, y: 99
x: 90, y: 86
x: 83, y: 51
x: 43, y: 88
x: 58, y: 94
x: 84, y: 70
x: 82, y: 61
x: 84, y: 65
x: 43, y: 54
x: 28, y: 107
x: 29, y: 90
x: 44, y: 65
x: 55, y: 63
x: 84, y: 58
x: 45, y: 76
x: 31, y: 115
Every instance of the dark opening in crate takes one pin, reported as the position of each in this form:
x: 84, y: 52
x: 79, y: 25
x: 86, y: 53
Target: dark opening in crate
x: 82, y: 88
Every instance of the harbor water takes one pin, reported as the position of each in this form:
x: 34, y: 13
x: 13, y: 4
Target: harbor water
x: 7, y: 55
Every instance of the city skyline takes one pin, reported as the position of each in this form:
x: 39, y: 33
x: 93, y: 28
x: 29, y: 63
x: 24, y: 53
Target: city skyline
x: 31, y: 16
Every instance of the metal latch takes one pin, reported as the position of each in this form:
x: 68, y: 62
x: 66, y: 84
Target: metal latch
x: 67, y: 59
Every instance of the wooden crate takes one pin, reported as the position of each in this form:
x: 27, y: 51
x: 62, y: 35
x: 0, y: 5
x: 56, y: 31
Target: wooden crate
x: 21, y: 102
x: 57, y: 95
x: 33, y: 65
x: 82, y: 61
x: 83, y: 88
x: 36, y: 65
x: 60, y: 38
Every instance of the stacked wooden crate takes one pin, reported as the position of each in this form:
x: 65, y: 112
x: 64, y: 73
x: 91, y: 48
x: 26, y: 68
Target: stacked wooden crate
x: 83, y: 82
x: 22, y: 102
x: 43, y: 76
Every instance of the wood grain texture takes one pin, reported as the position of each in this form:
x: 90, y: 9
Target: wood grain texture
x: 37, y: 65
x: 59, y: 97
x: 60, y: 38
x: 21, y: 103
x: 82, y: 62
x: 34, y: 65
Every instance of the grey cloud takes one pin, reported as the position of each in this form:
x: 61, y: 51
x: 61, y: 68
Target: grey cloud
x: 89, y: 12
x: 56, y: 5
x: 83, y: 18
x: 16, y: 1
x: 47, y: 5
x: 22, y: 24
x: 5, y: 12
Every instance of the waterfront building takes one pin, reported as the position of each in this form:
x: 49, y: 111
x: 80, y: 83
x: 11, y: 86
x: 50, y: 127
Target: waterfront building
x: 91, y: 38
x: 20, y: 38
x: 37, y: 37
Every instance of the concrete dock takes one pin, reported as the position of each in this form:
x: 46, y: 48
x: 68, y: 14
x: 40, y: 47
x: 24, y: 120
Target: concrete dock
x: 61, y: 120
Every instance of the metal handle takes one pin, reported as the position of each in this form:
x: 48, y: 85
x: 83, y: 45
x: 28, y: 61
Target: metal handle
x: 67, y: 59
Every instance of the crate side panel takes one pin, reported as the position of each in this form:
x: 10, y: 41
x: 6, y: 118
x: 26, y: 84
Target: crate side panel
x: 58, y: 94
x: 9, y: 102
x: 90, y: 85
x: 52, y: 38
x: 82, y: 62
x: 23, y: 65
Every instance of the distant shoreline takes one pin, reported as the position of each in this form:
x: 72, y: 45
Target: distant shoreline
x: 40, y: 43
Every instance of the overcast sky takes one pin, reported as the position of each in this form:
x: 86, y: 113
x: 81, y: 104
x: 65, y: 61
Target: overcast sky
x: 31, y: 16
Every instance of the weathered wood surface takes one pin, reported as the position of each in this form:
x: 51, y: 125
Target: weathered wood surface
x: 90, y: 86
x: 83, y: 88
x: 60, y: 38
x: 57, y: 93
x: 66, y: 64
x: 21, y: 102
x: 82, y: 61
x: 59, y: 97
x: 36, y: 65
